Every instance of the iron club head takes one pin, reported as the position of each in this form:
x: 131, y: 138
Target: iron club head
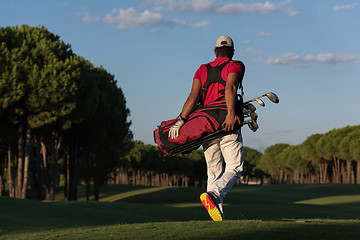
x: 250, y: 106
x: 254, y: 116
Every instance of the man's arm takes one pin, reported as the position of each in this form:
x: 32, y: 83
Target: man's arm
x: 188, y: 107
x: 191, y: 100
x: 230, y: 98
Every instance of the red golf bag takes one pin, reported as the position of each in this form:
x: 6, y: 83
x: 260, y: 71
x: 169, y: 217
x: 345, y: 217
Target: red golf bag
x: 204, y: 124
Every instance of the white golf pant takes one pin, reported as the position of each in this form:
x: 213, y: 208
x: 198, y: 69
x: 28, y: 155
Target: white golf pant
x: 230, y: 149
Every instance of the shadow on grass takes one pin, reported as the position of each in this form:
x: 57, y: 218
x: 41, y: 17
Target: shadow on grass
x: 134, y: 204
x: 200, y: 230
x: 260, y: 202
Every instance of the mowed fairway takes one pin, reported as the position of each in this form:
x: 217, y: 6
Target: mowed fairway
x: 133, y: 212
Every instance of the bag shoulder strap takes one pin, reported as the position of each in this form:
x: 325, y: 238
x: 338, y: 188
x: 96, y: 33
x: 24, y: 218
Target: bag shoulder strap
x: 214, y: 75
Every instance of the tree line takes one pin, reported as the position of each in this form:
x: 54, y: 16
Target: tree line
x: 333, y: 157
x: 145, y: 165
x: 59, y: 114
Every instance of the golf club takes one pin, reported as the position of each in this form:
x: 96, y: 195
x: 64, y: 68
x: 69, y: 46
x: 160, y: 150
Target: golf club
x: 270, y: 95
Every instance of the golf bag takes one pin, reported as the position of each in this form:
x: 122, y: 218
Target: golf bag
x: 203, y: 124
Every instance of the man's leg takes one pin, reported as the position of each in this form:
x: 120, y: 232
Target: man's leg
x: 214, y: 163
x: 232, y: 150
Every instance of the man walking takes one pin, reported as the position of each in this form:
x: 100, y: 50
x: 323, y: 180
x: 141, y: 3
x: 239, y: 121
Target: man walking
x: 226, y: 76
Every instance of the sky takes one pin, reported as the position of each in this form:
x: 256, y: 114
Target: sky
x: 307, y: 52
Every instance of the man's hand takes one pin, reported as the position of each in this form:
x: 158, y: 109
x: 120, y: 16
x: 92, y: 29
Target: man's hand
x: 174, y: 130
x: 230, y: 121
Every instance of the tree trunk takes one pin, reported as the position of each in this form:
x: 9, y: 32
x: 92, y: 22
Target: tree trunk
x: 11, y: 183
x: 46, y: 171
x: 343, y: 173
x: 55, y: 147
x: 75, y: 172
x: 149, y: 176
x: 72, y: 172
x: 302, y: 177
x: 323, y: 172
x: 348, y: 171
x: 25, y: 177
x: 353, y: 176
x: 36, y: 171
x: 122, y: 176
x: 21, y: 158
x: 336, y: 170
x: 281, y: 178
x: 133, y: 180
x: 96, y: 191
x: 67, y: 178
x: 325, y: 176
x: 28, y: 156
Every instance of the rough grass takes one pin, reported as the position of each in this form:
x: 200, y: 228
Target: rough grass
x: 132, y: 212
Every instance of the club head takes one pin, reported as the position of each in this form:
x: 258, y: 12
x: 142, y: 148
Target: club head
x: 252, y: 125
x: 254, y: 116
x: 260, y: 102
x: 250, y: 106
x: 272, y: 96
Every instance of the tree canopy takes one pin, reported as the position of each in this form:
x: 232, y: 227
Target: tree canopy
x: 57, y: 108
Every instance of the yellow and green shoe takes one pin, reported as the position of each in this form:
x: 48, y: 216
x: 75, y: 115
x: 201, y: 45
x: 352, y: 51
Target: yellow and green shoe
x: 210, y: 203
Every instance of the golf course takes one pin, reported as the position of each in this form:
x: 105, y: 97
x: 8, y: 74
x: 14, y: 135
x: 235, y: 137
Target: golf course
x: 328, y: 211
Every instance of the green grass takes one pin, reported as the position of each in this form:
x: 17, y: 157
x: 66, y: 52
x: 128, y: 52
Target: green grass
x: 251, y: 229
x: 133, y: 212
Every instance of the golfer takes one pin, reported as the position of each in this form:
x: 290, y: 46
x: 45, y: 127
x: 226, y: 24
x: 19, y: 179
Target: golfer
x: 228, y: 148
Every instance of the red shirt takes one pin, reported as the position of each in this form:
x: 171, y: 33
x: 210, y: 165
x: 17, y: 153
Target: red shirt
x: 213, y: 91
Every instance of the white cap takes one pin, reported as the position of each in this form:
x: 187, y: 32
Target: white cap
x: 224, y: 41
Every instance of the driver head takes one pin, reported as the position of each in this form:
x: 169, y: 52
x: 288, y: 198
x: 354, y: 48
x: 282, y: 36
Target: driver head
x: 272, y: 96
